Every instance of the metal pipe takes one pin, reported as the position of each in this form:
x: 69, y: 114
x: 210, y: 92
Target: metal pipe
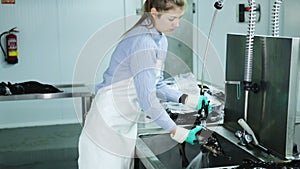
x: 248, y: 61
x: 246, y: 105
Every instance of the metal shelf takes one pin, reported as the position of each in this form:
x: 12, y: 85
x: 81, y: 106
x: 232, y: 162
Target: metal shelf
x: 69, y: 91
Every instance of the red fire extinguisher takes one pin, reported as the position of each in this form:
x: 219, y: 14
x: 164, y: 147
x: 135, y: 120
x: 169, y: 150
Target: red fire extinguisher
x: 11, y: 53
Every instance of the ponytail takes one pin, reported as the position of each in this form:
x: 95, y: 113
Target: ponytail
x: 160, y: 6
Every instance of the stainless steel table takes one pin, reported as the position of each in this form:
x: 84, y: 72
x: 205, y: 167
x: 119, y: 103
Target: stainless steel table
x: 69, y: 91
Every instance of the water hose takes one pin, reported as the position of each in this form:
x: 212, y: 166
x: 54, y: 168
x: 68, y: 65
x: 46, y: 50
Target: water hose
x: 218, y: 5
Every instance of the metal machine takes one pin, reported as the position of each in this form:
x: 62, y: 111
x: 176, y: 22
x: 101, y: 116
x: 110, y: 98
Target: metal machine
x: 272, y: 100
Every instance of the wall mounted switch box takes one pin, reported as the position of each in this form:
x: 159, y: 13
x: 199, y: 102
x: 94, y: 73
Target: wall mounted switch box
x: 243, y: 12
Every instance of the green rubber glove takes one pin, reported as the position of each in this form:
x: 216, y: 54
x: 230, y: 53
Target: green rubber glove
x: 199, y: 106
x: 191, y: 138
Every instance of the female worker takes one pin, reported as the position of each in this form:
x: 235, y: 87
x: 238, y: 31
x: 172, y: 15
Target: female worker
x: 131, y: 87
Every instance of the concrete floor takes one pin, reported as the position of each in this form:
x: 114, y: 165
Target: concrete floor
x: 43, y: 147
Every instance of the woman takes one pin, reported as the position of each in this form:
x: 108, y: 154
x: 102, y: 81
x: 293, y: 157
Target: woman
x: 131, y: 87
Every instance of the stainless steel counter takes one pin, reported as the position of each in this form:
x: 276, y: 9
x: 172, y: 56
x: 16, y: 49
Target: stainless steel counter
x: 69, y: 91
x: 156, y: 150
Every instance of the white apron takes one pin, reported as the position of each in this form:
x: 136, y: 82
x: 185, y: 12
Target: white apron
x: 108, y: 138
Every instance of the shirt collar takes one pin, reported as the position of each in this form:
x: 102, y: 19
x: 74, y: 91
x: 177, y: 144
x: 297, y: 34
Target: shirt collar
x: 156, y: 35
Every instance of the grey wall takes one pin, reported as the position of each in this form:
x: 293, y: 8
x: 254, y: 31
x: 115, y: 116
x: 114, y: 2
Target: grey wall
x: 52, y: 34
x: 290, y: 22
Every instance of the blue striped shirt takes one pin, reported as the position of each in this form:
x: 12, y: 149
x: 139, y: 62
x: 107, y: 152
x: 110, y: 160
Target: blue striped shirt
x: 137, y: 55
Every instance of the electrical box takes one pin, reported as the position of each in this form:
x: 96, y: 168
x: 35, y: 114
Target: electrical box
x: 243, y: 12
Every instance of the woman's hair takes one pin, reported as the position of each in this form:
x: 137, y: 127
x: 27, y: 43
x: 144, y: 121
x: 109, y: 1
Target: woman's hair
x: 160, y: 6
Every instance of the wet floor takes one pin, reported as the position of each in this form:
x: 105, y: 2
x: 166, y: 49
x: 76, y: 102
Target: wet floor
x: 44, y: 147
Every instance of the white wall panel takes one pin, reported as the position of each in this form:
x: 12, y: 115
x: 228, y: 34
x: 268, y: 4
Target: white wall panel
x: 38, y: 53
x: 290, y: 22
x: 132, y: 12
x: 78, y: 21
x: 52, y: 33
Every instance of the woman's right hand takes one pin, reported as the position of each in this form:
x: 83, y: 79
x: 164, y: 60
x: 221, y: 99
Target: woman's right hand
x: 181, y: 134
x: 192, y: 138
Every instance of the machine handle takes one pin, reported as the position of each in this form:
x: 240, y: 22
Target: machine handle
x: 247, y: 128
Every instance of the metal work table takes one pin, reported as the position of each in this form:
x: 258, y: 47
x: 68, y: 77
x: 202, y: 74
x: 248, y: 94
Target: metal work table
x: 150, y: 159
x: 69, y: 91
